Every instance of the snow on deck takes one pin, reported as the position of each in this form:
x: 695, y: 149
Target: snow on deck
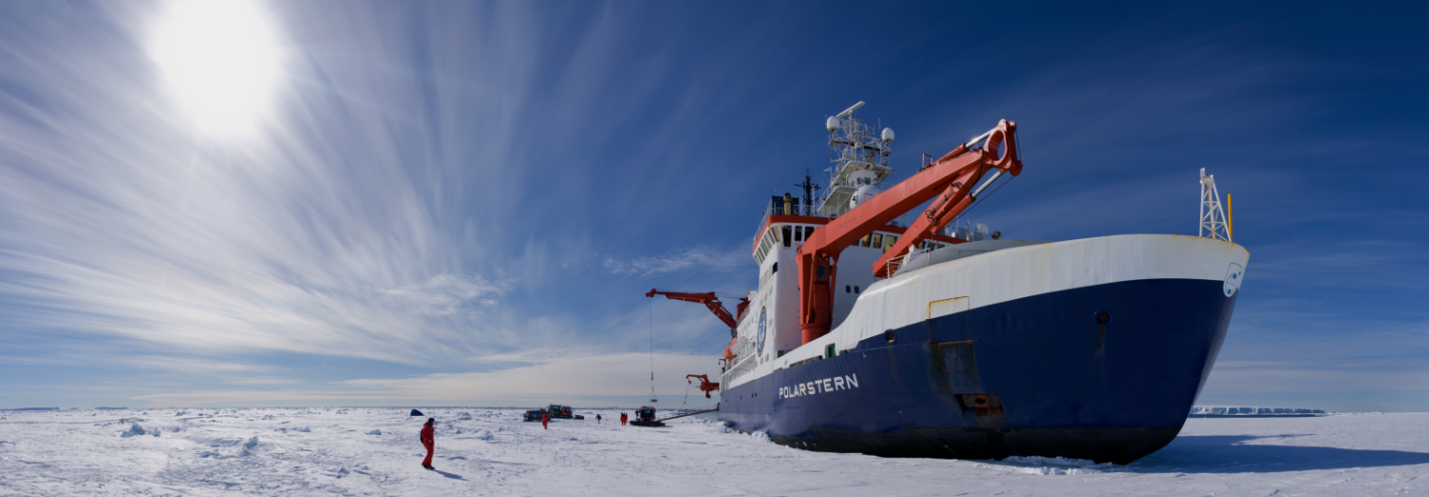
x: 375, y: 451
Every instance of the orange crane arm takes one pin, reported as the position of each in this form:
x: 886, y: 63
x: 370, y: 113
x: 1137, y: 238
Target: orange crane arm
x: 708, y: 299
x: 712, y: 302
x: 948, y: 181
x: 706, y: 385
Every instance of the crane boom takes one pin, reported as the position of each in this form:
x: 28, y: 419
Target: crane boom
x: 708, y: 299
x: 714, y: 305
x: 948, y: 181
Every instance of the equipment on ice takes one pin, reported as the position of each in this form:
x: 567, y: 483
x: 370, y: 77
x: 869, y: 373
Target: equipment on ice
x: 558, y: 411
x: 645, y: 416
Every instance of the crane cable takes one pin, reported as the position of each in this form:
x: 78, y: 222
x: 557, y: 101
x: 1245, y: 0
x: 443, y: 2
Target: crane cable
x: 652, y: 350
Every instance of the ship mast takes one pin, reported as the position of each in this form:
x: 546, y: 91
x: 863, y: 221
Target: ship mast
x: 860, y: 162
x: 811, y: 191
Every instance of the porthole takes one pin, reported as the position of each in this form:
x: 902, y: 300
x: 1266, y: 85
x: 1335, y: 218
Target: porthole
x: 1102, y: 317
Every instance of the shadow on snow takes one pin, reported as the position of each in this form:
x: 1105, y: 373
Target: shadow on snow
x: 1231, y: 454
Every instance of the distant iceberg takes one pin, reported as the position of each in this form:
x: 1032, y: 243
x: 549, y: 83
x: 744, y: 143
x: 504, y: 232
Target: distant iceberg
x: 1254, y: 412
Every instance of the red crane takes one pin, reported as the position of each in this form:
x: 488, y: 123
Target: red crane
x: 706, y: 385
x: 948, y: 181
x: 712, y: 302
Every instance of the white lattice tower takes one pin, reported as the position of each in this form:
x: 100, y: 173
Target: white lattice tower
x: 1213, y: 219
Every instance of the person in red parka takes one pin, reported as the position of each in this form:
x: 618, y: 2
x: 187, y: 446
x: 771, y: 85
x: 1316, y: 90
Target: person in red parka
x: 429, y: 440
x: 545, y: 418
x: 623, y: 418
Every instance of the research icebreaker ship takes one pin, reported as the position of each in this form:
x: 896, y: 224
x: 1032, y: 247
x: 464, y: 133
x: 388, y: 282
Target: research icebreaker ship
x: 923, y: 339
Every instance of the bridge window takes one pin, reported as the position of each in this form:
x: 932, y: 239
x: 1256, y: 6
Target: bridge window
x: 877, y: 240
x: 776, y: 268
x: 787, y: 238
x: 798, y: 233
x: 888, y: 242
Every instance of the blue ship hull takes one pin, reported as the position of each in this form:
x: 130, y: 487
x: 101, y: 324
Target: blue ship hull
x: 1037, y: 376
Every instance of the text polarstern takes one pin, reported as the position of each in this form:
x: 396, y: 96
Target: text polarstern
x: 825, y: 385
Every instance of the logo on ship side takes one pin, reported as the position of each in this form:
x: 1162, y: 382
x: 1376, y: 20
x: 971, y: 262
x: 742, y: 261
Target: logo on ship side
x: 826, y: 385
x: 1234, y: 275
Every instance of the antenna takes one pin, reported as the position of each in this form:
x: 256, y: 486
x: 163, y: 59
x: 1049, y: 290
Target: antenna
x: 811, y: 190
x: 1213, y: 219
x: 850, y: 110
x: 860, y: 158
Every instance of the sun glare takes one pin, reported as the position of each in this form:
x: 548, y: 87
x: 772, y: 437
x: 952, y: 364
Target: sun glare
x: 221, y: 61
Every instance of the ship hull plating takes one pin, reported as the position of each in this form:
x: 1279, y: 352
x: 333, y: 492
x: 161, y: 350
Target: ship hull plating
x: 1036, y: 376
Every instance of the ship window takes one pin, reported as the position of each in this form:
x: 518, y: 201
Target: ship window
x: 776, y: 268
x: 855, y: 289
x: 878, y: 239
x: 823, y: 271
x: 787, y: 238
x: 798, y: 233
x: 847, y: 289
x: 808, y: 230
x: 865, y: 240
x: 888, y: 242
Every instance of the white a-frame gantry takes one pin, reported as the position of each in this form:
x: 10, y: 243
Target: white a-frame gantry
x: 1213, y: 219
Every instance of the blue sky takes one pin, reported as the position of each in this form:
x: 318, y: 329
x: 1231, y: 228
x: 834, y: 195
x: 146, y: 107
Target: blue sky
x: 463, y: 203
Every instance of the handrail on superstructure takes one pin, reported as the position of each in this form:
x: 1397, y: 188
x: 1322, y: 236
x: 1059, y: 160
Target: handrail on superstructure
x: 948, y: 181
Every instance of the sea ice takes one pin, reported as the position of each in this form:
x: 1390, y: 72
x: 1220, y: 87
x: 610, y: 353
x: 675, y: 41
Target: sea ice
x: 492, y: 452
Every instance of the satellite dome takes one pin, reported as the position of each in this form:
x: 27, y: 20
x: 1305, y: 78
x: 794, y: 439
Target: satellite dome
x: 832, y: 124
x: 888, y: 134
x: 863, y: 194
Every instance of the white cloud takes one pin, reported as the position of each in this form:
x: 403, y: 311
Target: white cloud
x: 444, y: 294
x: 699, y: 258
x: 544, y: 377
x: 326, y: 233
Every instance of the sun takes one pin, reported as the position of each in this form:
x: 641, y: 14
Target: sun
x: 221, y: 61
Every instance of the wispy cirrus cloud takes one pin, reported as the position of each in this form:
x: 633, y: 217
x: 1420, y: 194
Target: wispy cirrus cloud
x: 445, y: 294
x: 539, y: 375
x: 698, y: 258
x: 319, y: 235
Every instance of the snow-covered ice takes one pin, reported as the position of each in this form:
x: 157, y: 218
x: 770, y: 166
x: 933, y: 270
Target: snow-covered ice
x: 1254, y: 411
x: 321, y: 451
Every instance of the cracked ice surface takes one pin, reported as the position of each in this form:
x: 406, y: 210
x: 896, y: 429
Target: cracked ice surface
x: 321, y: 451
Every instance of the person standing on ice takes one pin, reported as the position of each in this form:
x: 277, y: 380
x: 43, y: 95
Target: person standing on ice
x: 429, y: 440
x: 622, y: 419
x: 545, y: 418
x: 597, y: 419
